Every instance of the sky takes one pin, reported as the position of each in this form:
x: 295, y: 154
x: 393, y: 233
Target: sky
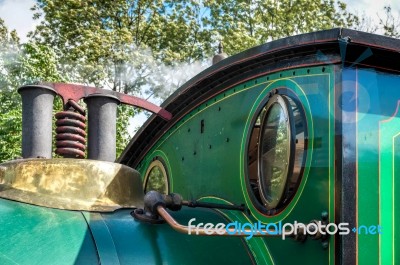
x: 17, y: 15
x: 371, y: 6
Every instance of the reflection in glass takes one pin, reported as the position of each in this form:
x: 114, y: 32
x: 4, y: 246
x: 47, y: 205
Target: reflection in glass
x: 156, y: 179
x: 274, y: 155
x: 277, y: 153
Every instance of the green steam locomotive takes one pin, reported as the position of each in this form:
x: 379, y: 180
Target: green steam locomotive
x: 285, y: 153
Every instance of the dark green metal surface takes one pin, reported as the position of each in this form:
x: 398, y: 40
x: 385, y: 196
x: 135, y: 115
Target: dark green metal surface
x: 378, y: 128
x: 212, y: 162
x: 36, y: 235
x: 353, y: 122
x: 143, y: 243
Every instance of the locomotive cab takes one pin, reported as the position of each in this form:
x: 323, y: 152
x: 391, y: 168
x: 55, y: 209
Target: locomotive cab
x: 299, y: 131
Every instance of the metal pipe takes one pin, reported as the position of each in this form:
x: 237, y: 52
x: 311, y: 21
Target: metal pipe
x: 102, y: 126
x: 212, y: 231
x: 194, y: 204
x: 37, y: 113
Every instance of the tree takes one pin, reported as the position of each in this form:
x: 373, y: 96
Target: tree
x: 19, y: 64
x: 365, y: 23
x: 245, y: 23
x: 10, y: 133
x: 128, y: 45
x: 390, y: 23
x: 108, y: 42
x: 9, y: 48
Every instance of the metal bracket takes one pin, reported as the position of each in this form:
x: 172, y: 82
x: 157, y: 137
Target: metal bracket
x: 77, y: 92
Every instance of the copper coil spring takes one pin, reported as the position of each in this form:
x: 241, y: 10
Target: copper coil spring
x: 71, y: 135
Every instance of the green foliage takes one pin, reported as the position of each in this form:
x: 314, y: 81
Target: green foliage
x: 105, y: 42
x: 156, y: 181
x: 10, y: 126
x: 244, y: 24
x: 123, y: 114
x: 19, y: 64
x: 10, y: 115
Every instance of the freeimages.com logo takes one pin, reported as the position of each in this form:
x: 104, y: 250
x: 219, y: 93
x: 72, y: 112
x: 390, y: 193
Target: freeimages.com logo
x: 283, y: 229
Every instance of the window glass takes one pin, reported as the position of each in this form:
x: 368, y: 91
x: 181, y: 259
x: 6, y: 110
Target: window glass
x: 274, y: 155
x: 276, y: 152
x: 156, y: 178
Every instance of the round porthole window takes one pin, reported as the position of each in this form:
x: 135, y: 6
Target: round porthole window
x: 156, y: 177
x: 276, y: 153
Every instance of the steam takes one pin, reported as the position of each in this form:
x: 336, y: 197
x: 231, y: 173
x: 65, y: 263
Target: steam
x: 9, y: 63
x: 142, y: 75
x: 176, y: 75
x: 155, y: 81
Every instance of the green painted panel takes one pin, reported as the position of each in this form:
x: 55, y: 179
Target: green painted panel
x: 37, y: 235
x: 377, y: 128
x: 210, y: 162
x: 144, y: 243
x: 389, y: 131
x: 367, y: 192
x: 396, y: 199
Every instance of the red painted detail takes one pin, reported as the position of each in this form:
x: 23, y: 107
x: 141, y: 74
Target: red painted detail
x: 76, y: 92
